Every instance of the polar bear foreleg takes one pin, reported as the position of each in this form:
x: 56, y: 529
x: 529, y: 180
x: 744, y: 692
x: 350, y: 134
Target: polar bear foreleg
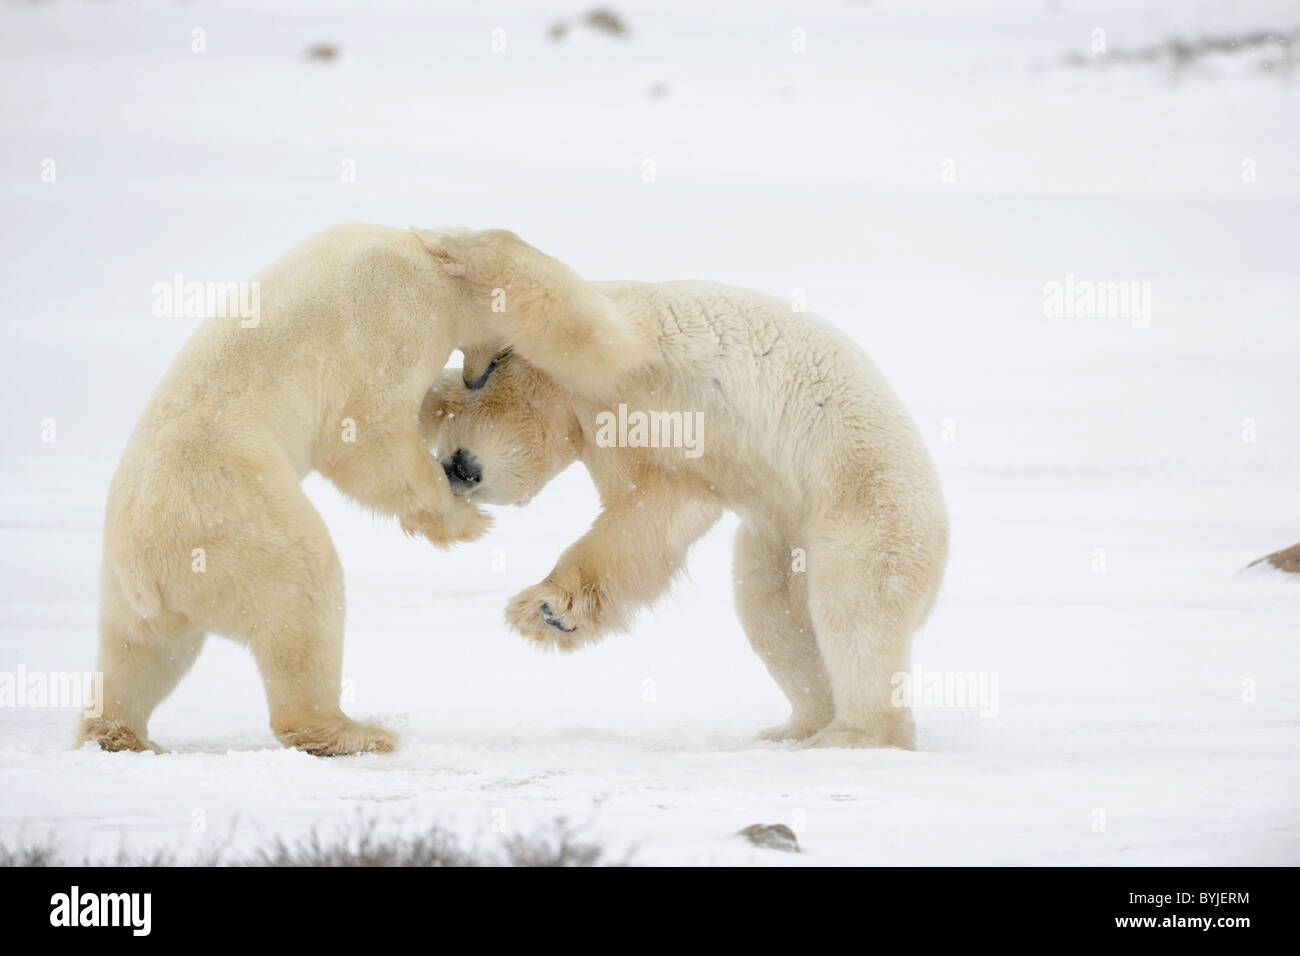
x: 385, y: 466
x: 628, y: 559
x: 543, y: 309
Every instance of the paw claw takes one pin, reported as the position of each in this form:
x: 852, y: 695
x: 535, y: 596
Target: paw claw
x: 549, y: 617
x: 557, y: 616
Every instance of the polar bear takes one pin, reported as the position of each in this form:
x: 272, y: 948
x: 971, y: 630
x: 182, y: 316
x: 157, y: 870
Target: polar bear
x: 207, y: 528
x: 683, y: 399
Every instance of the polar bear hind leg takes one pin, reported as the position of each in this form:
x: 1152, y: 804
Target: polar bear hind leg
x: 290, y: 610
x: 867, y: 597
x: 141, y: 660
x: 271, y: 580
x: 772, y: 604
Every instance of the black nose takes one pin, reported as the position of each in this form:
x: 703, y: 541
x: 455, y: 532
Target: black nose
x: 463, y: 470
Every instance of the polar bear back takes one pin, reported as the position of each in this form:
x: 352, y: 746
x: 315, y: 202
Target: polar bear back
x: 775, y: 383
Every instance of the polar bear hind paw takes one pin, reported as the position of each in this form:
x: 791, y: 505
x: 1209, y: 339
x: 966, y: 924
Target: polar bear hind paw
x: 339, y: 739
x: 787, y: 731
x: 848, y: 737
x: 114, y: 736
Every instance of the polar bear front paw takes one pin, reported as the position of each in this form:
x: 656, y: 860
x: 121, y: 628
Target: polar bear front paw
x: 555, y: 621
x: 557, y: 617
x: 461, y: 522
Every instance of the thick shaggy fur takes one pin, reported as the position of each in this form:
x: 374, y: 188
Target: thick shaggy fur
x: 844, y: 536
x: 207, y: 528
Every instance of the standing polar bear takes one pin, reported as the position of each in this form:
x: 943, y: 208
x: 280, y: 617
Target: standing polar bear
x: 207, y: 528
x: 683, y: 399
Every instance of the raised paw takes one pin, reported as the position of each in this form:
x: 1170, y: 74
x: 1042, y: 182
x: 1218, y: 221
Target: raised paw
x: 558, y: 617
x: 460, y: 522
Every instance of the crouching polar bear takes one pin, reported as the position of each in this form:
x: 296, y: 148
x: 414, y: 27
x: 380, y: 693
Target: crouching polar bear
x: 684, y: 399
x: 207, y: 528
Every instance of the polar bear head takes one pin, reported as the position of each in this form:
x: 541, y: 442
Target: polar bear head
x: 501, y: 429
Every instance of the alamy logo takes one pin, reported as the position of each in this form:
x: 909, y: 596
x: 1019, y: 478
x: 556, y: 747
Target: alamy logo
x: 1085, y: 299
x: 103, y: 909
x: 638, y: 429
x: 965, y: 690
x: 180, y: 299
x: 34, y: 689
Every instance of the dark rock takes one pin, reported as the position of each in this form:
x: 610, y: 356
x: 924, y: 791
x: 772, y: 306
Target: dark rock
x: 322, y: 53
x: 773, y: 836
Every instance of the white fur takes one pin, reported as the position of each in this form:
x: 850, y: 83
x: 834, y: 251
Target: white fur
x: 207, y: 528
x: 802, y: 438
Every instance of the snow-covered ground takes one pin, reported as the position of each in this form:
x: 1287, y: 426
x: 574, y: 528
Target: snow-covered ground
x: 921, y: 172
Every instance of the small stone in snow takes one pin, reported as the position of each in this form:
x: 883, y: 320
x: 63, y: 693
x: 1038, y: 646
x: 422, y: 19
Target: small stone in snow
x: 773, y: 836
